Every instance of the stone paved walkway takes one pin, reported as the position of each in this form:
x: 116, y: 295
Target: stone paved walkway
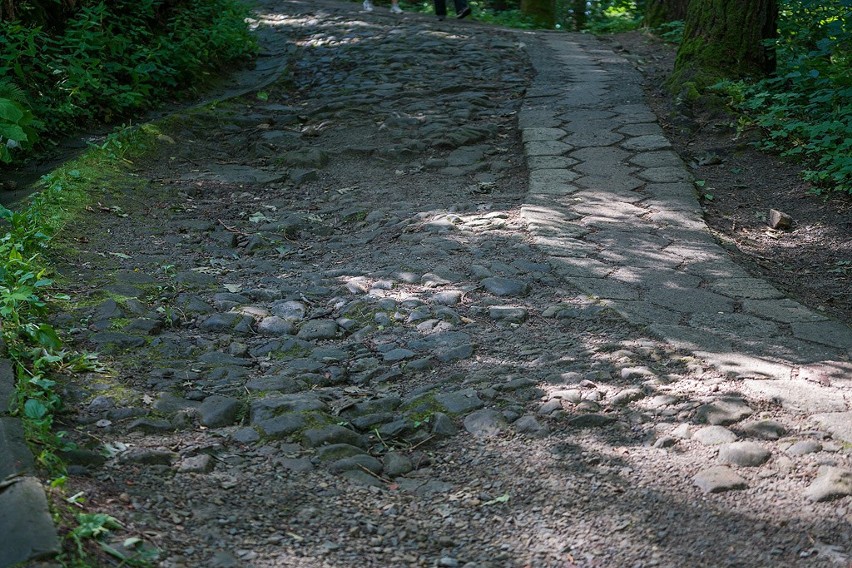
x: 420, y: 293
x: 617, y: 210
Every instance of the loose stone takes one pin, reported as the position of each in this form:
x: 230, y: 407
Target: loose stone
x: 718, y: 479
x: 723, y: 412
x: 500, y: 286
x: 745, y: 454
x: 765, y: 429
x: 714, y: 435
x: 832, y: 483
x: 804, y: 447
x: 485, y: 423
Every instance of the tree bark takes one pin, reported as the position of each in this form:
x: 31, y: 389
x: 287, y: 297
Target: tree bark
x: 724, y: 39
x: 659, y: 12
x: 542, y: 11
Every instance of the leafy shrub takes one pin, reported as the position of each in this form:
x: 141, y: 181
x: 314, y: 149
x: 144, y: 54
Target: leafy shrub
x: 109, y: 59
x: 806, y: 108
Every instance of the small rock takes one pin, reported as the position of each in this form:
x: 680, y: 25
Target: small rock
x: 485, y: 423
x: 626, y: 397
x: 684, y: 432
x: 779, y: 220
x: 714, y: 435
x: 804, y: 447
x: 665, y: 442
x: 718, y: 479
x: 359, y: 462
x: 550, y: 406
x: 318, y: 329
x: 245, y: 436
x: 147, y: 456
x: 397, y: 464
x: 333, y: 452
x: 332, y: 434
x: 529, y: 425
x: 744, y: 454
x: 217, y: 411
x: 442, y: 426
x: 202, y: 463
x: 459, y: 402
x: 832, y: 483
x: 723, y: 411
x: 508, y: 314
x: 500, y: 286
x: 150, y: 425
x: 765, y: 429
x: 591, y: 420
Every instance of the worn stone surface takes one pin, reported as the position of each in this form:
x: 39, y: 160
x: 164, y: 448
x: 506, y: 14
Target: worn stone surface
x: 427, y: 249
x: 27, y: 533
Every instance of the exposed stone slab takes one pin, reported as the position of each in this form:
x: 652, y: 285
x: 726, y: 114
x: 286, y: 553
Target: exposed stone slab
x: 15, y: 455
x: 798, y: 395
x: 27, y: 533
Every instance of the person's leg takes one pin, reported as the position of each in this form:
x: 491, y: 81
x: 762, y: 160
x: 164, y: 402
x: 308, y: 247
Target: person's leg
x: 441, y: 9
x: 462, y: 9
x: 395, y: 7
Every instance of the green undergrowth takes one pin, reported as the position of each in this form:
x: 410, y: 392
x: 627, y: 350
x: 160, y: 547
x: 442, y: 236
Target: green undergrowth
x: 805, y: 109
x: 102, y: 61
x: 28, y: 294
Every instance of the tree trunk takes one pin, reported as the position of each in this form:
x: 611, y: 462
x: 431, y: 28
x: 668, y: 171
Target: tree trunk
x: 659, y: 12
x: 724, y: 39
x: 542, y: 11
x: 578, y: 13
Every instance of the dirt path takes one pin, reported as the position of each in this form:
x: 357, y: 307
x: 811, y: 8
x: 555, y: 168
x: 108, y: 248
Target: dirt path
x: 343, y: 328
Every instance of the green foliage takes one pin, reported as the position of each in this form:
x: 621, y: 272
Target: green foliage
x: 26, y: 291
x: 806, y: 109
x: 613, y: 17
x: 109, y: 59
x: 671, y: 32
x: 17, y: 125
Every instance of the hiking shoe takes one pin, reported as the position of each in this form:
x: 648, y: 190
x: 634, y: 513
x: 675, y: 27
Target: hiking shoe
x: 396, y: 9
x: 368, y: 6
x: 464, y: 13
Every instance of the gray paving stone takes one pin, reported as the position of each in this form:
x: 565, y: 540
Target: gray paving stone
x: 742, y: 365
x: 784, y: 310
x: 27, y: 533
x: 542, y: 134
x: 734, y: 325
x: 593, y: 137
x: 643, y: 313
x: 832, y: 333
x: 605, y: 288
x: 748, y: 288
x: 663, y: 158
x: 547, y: 148
x: 689, y: 300
x: 798, y: 395
x: 15, y: 456
x: 549, y: 162
x: 714, y: 435
x: 646, y: 143
x: 665, y: 174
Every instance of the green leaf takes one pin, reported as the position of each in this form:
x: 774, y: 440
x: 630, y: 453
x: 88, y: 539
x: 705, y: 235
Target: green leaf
x: 46, y: 336
x: 34, y: 409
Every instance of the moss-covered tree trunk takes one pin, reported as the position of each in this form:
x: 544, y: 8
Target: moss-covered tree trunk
x: 542, y: 11
x: 658, y: 12
x: 724, y: 39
